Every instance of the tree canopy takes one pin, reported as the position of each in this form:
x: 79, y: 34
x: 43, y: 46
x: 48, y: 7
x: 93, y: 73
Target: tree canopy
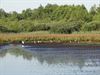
x: 52, y: 17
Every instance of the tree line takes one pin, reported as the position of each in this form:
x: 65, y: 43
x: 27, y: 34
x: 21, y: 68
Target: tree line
x: 53, y: 18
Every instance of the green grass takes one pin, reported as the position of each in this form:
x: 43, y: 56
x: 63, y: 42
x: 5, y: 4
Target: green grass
x: 87, y: 32
x: 36, y: 32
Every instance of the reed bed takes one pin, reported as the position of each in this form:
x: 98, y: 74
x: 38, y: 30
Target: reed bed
x: 43, y: 38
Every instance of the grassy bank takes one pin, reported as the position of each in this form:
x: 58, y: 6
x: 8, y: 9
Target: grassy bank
x: 46, y: 37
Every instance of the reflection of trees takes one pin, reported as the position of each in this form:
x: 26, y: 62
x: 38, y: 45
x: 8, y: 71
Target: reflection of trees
x: 74, y: 57
x: 3, y: 53
x: 20, y: 52
x: 16, y: 51
x: 70, y: 57
x: 58, y: 58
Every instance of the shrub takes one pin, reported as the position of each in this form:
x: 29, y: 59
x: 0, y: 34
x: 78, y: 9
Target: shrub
x: 41, y: 27
x: 91, y: 26
x: 25, y: 26
x: 3, y: 29
x: 66, y: 27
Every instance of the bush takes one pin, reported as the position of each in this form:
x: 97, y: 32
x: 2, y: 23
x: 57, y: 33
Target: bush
x: 66, y: 27
x: 91, y: 26
x: 29, y: 26
x: 41, y: 27
x: 25, y: 26
x: 3, y: 29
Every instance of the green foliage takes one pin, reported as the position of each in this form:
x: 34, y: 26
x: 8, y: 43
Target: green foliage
x: 93, y: 10
x: 53, y: 18
x: 3, y: 29
x: 92, y: 26
x: 66, y: 27
x: 96, y: 17
x: 25, y: 26
x: 42, y: 27
x: 3, y: 14
x: 79, y: 13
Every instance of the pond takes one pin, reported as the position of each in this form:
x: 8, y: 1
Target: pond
x: 39, y: 60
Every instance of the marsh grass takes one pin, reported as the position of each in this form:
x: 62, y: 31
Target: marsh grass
x: 46, y: 37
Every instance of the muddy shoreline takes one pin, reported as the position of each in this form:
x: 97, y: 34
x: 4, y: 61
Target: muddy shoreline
x: 58, y: 45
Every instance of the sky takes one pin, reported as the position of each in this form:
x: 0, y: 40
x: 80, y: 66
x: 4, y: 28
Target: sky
x: 19, y: 5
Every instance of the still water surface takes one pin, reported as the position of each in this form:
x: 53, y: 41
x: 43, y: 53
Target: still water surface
x: 29, y: 60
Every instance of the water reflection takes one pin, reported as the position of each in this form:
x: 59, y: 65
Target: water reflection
x: 49, y: 61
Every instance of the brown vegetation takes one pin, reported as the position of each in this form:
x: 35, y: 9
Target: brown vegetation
x: 38, y: 38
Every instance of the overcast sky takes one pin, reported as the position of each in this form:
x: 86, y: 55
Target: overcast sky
x: 19, y: 5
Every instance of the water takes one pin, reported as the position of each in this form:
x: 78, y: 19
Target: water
x: 30, y: 60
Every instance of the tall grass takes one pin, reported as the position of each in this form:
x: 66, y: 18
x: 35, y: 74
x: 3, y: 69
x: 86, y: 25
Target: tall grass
x: 43, y: 38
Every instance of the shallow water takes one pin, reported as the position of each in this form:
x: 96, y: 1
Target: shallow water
x: 30, y: 60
